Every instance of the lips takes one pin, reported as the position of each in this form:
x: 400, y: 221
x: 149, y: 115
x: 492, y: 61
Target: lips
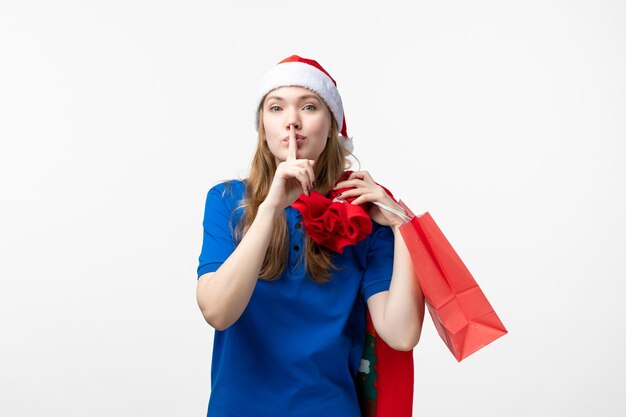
x: 299, y: 139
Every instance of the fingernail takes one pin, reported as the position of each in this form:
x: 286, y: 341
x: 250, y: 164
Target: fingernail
x: 339, y: 195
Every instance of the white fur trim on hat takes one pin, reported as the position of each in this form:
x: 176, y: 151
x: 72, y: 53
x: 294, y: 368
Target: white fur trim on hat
x: 347, y: 143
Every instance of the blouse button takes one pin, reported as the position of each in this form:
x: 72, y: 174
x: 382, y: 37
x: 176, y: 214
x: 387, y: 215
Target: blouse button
x: 296, y: 247
x: 298, y: 226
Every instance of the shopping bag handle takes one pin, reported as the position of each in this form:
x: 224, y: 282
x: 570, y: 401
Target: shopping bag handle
x: 394, y: 211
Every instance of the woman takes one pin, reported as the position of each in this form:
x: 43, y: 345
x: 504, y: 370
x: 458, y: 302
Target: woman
x: 289, y: 312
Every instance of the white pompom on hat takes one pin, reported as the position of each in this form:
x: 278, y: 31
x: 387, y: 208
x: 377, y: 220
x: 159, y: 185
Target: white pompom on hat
x: 303, y: 72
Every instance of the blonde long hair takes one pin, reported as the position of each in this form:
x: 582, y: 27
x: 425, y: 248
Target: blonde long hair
x: 328, y: 168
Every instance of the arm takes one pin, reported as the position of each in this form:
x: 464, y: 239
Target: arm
x: 224, y: 294
x: 398, y: 314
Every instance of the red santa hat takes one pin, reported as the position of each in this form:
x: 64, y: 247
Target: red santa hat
x: 303, y: 72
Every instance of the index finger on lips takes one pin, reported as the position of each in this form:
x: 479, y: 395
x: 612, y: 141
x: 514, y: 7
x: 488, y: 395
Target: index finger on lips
x: 293, y: 145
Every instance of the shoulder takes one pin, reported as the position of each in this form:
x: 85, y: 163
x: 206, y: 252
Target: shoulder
x: 225, y: 196
x: 379, y: 242
x: 380, y: 235
x: 229, y: 188
x: 229, y: 191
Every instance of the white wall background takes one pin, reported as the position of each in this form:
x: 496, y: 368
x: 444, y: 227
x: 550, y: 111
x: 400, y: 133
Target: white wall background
x: 505, y: 119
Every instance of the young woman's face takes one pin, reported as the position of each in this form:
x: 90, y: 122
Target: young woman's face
x: 305, y: 110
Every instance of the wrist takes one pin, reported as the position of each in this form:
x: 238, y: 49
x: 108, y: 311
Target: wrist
x: 395, y: 227
x: 268, y: 210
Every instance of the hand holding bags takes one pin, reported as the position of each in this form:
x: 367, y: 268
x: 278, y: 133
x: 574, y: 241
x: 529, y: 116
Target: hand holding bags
x: 462, y: 315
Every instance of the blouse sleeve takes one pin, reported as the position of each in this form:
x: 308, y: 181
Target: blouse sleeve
x: 379, y: 269
x: 218, y: 240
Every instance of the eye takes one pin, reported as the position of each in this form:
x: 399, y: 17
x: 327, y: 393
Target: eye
x: 311, y: 106
x: 274, y: 107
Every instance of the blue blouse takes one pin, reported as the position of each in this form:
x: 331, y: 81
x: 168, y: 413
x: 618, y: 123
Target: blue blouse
x: 295, y: 350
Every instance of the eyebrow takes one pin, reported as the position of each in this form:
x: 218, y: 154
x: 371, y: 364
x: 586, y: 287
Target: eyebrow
x: 278, y: 98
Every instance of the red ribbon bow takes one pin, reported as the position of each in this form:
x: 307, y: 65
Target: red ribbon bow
x: 334, y: 224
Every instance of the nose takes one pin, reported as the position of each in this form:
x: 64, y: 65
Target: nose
x: 293, y: 118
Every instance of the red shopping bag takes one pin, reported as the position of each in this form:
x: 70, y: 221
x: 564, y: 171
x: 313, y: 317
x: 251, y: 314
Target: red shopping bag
x: 462, y: 315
